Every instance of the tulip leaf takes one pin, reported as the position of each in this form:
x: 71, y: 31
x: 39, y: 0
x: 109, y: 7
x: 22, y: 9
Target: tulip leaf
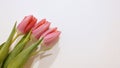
x: 18, y: 48
x: 23, y: 56
x: 5, y: 48
x: 2, y: 45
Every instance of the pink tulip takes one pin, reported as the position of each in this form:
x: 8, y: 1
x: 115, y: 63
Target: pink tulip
x: 40, y: 28
x: 26, y: 24
x: 50, y: 36
x: 49, y: 31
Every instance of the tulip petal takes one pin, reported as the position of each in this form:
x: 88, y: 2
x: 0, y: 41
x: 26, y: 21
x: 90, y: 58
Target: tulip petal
x: 39, y: 24
x: 49, y: 31
x: 30, y: 24
x: 51, y: 37
x: 21, y: 27
x: 38, y: 32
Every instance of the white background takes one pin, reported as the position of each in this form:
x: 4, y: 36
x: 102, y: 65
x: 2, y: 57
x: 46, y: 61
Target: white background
x: 90, y: 30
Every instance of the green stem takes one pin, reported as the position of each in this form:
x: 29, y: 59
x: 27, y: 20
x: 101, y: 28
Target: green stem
x: 23, y: 56
x: 35, y: 53
x: 15, y: 37
x: 5, y: 48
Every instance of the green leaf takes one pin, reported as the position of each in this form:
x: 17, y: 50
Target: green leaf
x: 21, y: 58
x: 18, y: 48
x: 5, y: 48
x: 2, y: 45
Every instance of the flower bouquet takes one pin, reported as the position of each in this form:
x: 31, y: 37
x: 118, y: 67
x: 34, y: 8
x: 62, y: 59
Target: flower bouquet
x: 40, y: 36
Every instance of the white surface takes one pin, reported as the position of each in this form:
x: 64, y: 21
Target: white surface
x: 90, y: 30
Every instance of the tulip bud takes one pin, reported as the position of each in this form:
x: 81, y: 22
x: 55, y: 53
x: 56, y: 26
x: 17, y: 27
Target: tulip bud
x: 26, y: 24
x: 49, y: 31
x: 39, y: 24
x: 51, y: 36
x: 40, y: 28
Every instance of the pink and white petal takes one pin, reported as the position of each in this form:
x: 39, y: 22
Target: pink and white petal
x: 40, y: 30
x: 21, y: 27
x: 39, y: 24
x: 51, y: 37
x: 31, y: 24
x: 49, y: 31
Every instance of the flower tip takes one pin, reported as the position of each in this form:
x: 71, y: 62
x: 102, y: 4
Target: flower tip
x: 30, y: 15
x: 47, y: 24
x: 49, y: 31
x: 55, y: 28
x: 35, y: 20
x: 44, y: 19
x: 26, y: 24
x: 47, y: 21
x: 41, y: 22
x: 59, y: 32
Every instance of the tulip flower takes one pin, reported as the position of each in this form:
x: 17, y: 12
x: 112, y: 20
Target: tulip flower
x: 49, y: 31
x: 34, y: 36
x: 50, y: 36
x: 26, y: 24
x: 40, y: 28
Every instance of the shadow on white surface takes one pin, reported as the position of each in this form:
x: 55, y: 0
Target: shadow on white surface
x: 44, y: 60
